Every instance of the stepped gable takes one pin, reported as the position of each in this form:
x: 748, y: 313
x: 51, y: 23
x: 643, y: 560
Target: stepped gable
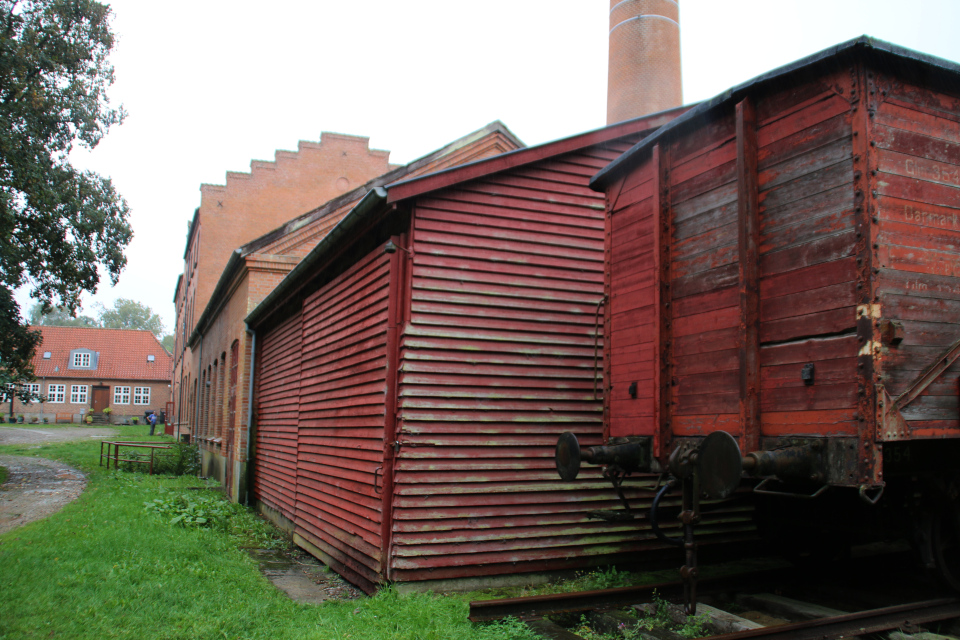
x: 280, y: 250
x: 122, y: 354
x: 338, y: 147
x: 301, y: 234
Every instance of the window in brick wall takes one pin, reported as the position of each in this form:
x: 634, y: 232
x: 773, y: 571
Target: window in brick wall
x: 78, y: 393
x: 121, y: 395
x: 32, y: 388
x: 56, y: 393
x: 141, y: 395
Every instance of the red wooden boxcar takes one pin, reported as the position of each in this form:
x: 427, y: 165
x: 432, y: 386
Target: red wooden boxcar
x: 415, y: 370
x: 783, y: 265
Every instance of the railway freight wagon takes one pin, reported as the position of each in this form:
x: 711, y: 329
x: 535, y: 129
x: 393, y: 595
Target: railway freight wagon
x: 783, y: 276
x: 415, y: 370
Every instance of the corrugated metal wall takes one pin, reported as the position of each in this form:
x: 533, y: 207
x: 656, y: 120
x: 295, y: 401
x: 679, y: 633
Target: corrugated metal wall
x: 278, y: 402
x: 497, y: 361
x: 342, y: 390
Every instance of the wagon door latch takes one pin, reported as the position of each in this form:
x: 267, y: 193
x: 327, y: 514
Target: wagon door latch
x: 710, y: 470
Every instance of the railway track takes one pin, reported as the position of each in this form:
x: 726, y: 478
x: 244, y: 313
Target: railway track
x: 867, y: 598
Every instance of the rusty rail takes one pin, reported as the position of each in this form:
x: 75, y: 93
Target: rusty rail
x: 536, y: 606
x: 113, y: 452
x: 904, y: 616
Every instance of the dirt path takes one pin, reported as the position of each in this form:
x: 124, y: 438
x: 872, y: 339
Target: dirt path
x: 37, y: 487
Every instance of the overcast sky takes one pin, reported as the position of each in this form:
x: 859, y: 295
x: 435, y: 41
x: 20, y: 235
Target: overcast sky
x: 211, y: 85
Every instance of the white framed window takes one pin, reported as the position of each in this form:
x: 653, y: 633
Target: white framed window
x: 81, y: 360
x: 78, y: 393
x: 56, y: 393
x: 141, y: 395
x: 121, y: 395
x: 33, y: 388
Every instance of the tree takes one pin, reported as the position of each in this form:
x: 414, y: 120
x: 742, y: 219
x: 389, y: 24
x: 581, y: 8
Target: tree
x: 58, y: 225
x: 58, y: 317
x: 125, y: 314
x: 130, y: 314
x: 168, y: 342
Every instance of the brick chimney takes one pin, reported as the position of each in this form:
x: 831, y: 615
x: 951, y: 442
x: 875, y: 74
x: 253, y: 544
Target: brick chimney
x: 644, y: 71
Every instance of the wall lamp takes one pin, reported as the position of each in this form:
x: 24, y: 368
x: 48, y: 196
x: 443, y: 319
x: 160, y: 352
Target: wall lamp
x: 390, y: 247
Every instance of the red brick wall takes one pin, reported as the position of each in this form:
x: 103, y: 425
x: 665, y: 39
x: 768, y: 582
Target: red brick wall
x: 160, y: 394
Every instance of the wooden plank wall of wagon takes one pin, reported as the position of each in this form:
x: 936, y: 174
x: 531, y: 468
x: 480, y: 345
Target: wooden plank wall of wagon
x: 630, y: 309
x: 497, y: 361
x: 917, y: 137
x: 704, y: 298
x: 342, y: 394
x: 808, y: 264
x: 278, y: 405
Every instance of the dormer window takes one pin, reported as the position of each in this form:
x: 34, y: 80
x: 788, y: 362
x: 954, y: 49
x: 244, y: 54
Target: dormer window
x: 82, y: 359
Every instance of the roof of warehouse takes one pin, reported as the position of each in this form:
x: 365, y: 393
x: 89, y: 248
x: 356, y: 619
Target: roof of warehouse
x: 404, y: 189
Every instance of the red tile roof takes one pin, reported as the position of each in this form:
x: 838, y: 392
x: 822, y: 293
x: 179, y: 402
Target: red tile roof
x: 122, y: 354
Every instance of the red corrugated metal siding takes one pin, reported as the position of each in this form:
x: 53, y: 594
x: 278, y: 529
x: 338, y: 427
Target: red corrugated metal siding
x: 497, y: 361
x: 278, y: 402
x: 918, y: 157
x: 342, y: 419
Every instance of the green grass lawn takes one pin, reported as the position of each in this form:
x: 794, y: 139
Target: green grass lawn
x: 107, y: 567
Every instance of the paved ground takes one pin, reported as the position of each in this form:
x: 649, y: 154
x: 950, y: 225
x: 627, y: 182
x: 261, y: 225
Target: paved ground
x: 41, y: 435
x: 37, y: 487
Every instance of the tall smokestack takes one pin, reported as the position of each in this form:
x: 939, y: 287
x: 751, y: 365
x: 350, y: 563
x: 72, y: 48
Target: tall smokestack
x: 644, y: 71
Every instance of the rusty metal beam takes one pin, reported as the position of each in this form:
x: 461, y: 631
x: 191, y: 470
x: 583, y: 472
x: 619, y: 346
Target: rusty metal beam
x: 748, y: 243
x: 663, y: 381
x: 862, y: 107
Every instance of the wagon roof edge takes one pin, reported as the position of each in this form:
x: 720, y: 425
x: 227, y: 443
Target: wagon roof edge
x: 862, y: 43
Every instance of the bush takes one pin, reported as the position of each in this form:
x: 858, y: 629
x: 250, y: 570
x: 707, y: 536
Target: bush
x: 195, y: 511
x: 179, y: 460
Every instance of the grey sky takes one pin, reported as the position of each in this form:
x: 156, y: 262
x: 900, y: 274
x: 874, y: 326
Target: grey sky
x: 212, y: 85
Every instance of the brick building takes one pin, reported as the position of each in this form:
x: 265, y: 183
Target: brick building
x: 212, y: 379
x: 250, y: 204
x: 83, y: 368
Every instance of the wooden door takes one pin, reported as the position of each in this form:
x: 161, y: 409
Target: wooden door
x: 100, y: 396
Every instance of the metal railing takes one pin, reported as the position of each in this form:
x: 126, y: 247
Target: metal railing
x: 113, y: 453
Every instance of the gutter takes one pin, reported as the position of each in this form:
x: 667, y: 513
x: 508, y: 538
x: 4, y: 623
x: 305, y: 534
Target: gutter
x: 373, y: 204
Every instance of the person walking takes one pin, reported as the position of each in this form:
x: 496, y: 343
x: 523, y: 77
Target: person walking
x: 152, y: 419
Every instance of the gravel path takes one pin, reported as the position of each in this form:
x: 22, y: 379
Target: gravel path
x: 37, y: 487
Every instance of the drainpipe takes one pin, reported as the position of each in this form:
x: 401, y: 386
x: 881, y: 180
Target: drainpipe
x: 180, y: 402
x: 196, y: 417
x: 248, y: 475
